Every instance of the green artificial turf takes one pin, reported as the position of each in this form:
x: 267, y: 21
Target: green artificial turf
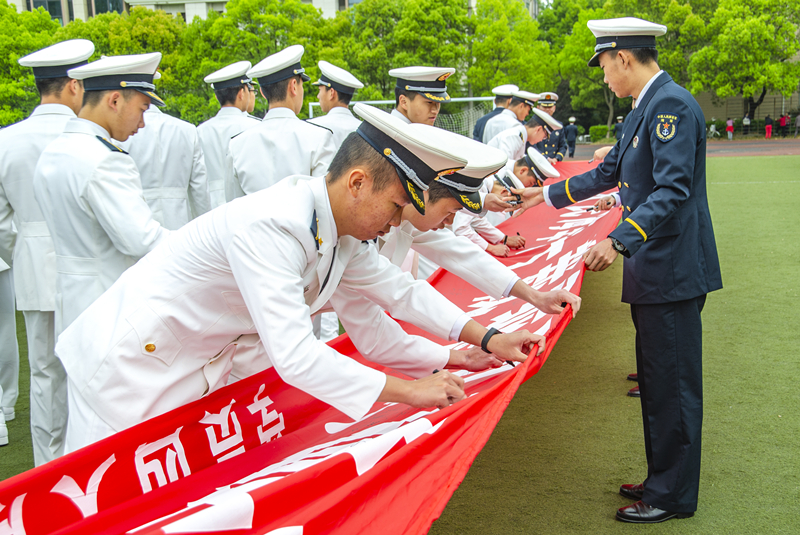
x: 570, y: 437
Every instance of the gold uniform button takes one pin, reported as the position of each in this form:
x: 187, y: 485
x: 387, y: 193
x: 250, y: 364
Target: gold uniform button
x: 150, y: 348
x: 619, y: 184
x: 626, y: 185
x: 629, y: 208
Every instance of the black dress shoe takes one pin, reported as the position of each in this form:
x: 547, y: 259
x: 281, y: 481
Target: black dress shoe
x: 641, y: 513
x: 633, y: 377
x: 634, y: 392
x: 634, y: 492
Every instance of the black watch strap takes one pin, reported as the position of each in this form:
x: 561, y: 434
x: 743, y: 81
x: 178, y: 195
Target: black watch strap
x: 618, y: 247
x: 485, y: 342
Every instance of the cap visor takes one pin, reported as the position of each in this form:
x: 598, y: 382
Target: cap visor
x: 155, y: 99
x: 415, y: 195
x: 595, y: 61
x: 305, y: 77
x: 470, y: 201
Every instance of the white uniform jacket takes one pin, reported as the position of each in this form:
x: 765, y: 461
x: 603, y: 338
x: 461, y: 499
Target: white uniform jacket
x: 340, y: 121
x: 282, y: 145
x: 476, y: 228
x: 170, y: 160
x: 21, y: 145
x: 511, y: 141
x: 455, y: 254
x: 502, y: 121
x: 91, y: 197
x: 158, y: 338
x: 400, y: 116
x: 215, y: 134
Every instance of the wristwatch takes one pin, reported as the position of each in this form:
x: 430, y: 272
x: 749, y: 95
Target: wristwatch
x: 618, y: 247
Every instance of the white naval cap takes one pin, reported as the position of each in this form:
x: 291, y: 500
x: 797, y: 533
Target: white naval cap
x: 572, y: 119
x: 506, y: 90
x: 546, y: 120
x: 625, y: 32
x: 416, y: 154
x: 526, y: 96
x: 508, y: 179
x: 334, y: 77
x: 280, y: 66
x: 233, y: 75
x: 54, y: 61
x: 547, y: 99
x: 541, y: 168
x: 427, y: 81
x: 482, y: 161
x: 136, y: 71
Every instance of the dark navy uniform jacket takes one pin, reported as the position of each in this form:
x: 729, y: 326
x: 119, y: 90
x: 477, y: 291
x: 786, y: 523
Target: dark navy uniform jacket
x: 571, y: 133
x: 480, y: 124
x: 660, y: 169
x: 555, y: 147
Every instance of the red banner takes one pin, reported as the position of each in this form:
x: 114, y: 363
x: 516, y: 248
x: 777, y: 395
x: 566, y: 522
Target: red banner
x: 260, y: 456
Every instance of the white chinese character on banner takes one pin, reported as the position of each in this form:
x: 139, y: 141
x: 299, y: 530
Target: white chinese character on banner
x: 228, y: 440
x: 172, y: 456
x: 85, y: 501
x: 13, y: 525
x: 265, y: 434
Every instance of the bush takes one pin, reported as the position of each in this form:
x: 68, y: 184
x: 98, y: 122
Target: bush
x: 581, y: 130
x: 598, y: 132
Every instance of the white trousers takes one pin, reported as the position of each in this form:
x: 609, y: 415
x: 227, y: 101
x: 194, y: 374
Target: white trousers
x: 84, y: 426
x: 48, y: 388
x: 9, y: 349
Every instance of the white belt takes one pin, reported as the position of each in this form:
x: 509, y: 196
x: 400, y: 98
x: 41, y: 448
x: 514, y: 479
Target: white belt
x: 164, y: 193
x: 34, y: 229
x: 77, y: 266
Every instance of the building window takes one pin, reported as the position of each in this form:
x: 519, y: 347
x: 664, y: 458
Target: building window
x: 106, y: 6
x: 51, y: 6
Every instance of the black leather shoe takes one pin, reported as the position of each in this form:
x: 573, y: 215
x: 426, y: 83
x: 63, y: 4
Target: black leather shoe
x: 641, y: 513
x: 634, y: 392
x: 634, y: 492
x: 633, y: 377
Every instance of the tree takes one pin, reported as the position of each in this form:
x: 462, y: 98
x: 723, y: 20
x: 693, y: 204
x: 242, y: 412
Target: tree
x: 587, y: 89
x: 750, y: 47
x: 20, y: 34
x: 506, y: 49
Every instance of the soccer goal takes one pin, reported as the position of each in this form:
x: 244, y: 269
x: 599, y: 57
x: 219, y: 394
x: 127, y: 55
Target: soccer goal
x: 464, y: 112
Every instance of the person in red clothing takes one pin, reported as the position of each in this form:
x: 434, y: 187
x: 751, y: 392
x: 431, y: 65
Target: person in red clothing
x: 729, y: 128
x: 782, y: 122
x: 768, y: 126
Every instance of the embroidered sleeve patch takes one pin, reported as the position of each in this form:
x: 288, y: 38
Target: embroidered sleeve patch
x: 666, y: 126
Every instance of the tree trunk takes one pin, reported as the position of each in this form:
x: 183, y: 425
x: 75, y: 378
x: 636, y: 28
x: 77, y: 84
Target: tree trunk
x: 753, y: 105
x: 609, y: 97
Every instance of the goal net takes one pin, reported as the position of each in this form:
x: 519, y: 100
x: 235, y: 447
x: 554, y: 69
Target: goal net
x: 459, y: 115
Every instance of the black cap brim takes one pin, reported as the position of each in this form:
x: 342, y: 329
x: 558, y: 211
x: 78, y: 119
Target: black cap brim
x: 435, y: 97
x: 415, y: 195
x: 595, y: 61
x: 154, y: 99
x: 470, y: 201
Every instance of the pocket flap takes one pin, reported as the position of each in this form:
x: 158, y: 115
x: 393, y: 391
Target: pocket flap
x: 155, y: 338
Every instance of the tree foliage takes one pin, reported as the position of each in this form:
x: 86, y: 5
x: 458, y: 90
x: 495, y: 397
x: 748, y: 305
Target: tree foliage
x: 727, y: 47
x: 20, y: 34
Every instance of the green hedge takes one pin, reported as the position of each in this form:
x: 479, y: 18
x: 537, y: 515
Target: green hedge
x: 598, y: 132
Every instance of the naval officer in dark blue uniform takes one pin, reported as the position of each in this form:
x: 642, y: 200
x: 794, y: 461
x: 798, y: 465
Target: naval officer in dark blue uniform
x: 553, y: 148
x: 502, y: 96
x: 670, y: 254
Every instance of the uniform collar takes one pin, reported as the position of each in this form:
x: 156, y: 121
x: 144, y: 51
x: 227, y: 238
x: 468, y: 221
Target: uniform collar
x: 53, y: 109
x: 510, y: 113
x: 338, y: 110
x: 84, y: 126
x: 280, y: 113
x: 232, y: 111
x: 400, y: 116
x: 646, y: 87
x: 154, y: 109
x: 326, y: 225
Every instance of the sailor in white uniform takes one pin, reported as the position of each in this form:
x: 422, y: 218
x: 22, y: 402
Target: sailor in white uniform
x: 513, y: 141
x: 427, y: 234
x: 89, y: 189
x: 420, y: 92
x: 282, y: 144
x: 336, y: 90
x: 34, y: 260
x: 158, y: 339
x: 172, y: 168
x: 522, y: 102
x: 237, y: 96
